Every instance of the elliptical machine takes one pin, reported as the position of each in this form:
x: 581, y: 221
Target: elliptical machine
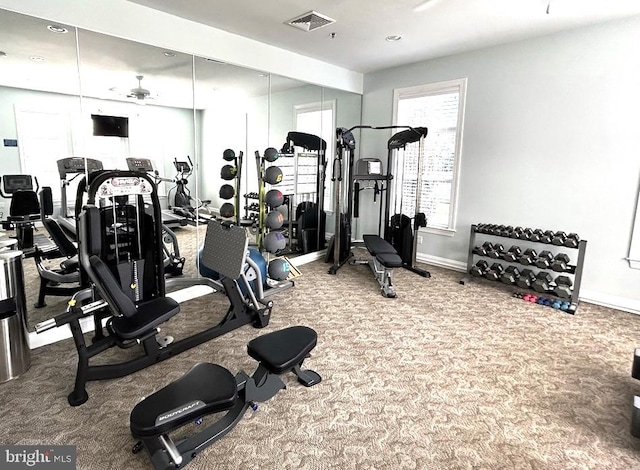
x: 182, y: 195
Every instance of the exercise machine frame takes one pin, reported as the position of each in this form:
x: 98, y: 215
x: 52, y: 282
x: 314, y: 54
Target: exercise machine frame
x: 345, y: 150
x: 104, y: 305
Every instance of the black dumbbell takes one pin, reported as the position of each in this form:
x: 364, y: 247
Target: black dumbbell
x: 483, y: 250
x: 506, y: 231
x: 560, y: 262
x: 515, y: 233
x: 544, y: 259
x: 497, y: 230
x: 572, y: 241
x: 559, y: 238
x: 510, y: 275
x: 542, y: 283
x: 527, y: 276
x: 494, y: 272
x: 480, y: 268
x: 528, y: 257
x: 484, y: 228
x: 526, y: 234
x: 546, y: 236
x: 497, y: 252
x: 535, y: 235
x: 563, y: 287
x: 512, y: 254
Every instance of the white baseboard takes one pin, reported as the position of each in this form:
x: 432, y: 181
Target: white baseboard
x: 308, y: 258
x: 442, y: 262
x: 611, y: 301
x: 592, y: 297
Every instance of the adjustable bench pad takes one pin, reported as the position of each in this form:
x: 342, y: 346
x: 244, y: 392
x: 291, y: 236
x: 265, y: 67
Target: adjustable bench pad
x: 384, y: 252
x: 206, y: 388
x: 282, y: 350
x: 150, y: 314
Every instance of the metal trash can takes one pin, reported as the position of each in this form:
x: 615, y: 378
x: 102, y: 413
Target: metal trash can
x: 15, y: 355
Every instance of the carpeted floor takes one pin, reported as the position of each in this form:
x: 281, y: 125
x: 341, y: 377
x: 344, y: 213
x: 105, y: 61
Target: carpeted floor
x: 445, y: 376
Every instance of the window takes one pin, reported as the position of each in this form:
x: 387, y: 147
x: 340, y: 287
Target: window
x: 440, y: 108
x: 319, y: 119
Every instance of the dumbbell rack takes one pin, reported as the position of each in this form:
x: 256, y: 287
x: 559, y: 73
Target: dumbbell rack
x: 574, y: 270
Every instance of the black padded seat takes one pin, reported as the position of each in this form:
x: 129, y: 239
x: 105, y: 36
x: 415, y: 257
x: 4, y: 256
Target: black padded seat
x: 384, y: 252
x: 281, y: 350
x: 24, y: 206
x: 206, y: 388
x: 389, y: 260
x: 70, y: 265
x: 149, y: 315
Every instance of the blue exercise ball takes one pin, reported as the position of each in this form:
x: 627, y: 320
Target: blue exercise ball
x: 254, y: 254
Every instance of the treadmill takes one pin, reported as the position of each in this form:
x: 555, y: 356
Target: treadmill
x: 69, y: 169
x: 144, y: 165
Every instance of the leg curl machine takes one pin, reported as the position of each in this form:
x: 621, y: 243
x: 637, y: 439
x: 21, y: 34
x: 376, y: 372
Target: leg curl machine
x: 210, y: 388
x: 120, y: 254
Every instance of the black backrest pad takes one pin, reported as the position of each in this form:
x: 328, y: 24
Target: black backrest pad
x: 109, y: 288
x: 24, y: 203
x: 46, y: 201
x: 66, y: 246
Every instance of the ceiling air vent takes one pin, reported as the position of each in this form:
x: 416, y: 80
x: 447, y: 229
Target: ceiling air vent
x: 310, y: 21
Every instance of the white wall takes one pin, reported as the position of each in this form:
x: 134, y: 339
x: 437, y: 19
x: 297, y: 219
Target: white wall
x: 259, y: 123
x: 155, y: 132
x: 128, y: 20
x: 551, y: 140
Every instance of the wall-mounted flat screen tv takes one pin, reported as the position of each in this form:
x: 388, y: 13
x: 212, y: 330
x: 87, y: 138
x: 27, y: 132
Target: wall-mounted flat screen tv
x: 113, y: 126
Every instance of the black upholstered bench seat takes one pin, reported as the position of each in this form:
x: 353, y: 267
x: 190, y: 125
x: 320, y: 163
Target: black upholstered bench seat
x: 206, y: 388
x: 281, y: 350
x: 150, y: 314
x: 384, y: 252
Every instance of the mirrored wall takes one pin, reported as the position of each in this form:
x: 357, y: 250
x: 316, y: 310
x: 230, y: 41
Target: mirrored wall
x: 61, y: 89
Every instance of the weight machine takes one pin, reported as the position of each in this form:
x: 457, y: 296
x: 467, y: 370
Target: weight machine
x: 347, y: 189
x: 121, y: 259
x: 306, y: 215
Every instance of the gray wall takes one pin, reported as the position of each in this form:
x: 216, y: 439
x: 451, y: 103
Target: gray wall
x: 550, y: 140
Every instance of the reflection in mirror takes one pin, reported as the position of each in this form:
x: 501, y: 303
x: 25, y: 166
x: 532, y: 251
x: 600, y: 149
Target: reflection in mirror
x: 233, y: 103
x: 137, y: 106
x: 226, y: 101
x: 346, y: 107
x: 39, y: 108
x: 296, y: 129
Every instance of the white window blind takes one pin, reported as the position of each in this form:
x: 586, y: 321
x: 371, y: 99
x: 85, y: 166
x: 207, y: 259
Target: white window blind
x: 440, y: 108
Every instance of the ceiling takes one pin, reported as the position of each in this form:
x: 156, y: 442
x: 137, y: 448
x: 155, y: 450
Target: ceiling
x: 109, y: 66
x: 430, y: 29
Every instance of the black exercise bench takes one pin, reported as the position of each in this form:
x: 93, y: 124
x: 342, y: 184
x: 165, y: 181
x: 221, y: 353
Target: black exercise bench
x: 210, y: 388
x: 384, y: 258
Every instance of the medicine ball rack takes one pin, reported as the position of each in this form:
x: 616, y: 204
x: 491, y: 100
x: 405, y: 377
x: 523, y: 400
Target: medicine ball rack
x: 529, y: 239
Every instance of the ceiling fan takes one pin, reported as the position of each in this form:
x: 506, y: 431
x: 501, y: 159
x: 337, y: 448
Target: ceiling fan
x: 139, y: 93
